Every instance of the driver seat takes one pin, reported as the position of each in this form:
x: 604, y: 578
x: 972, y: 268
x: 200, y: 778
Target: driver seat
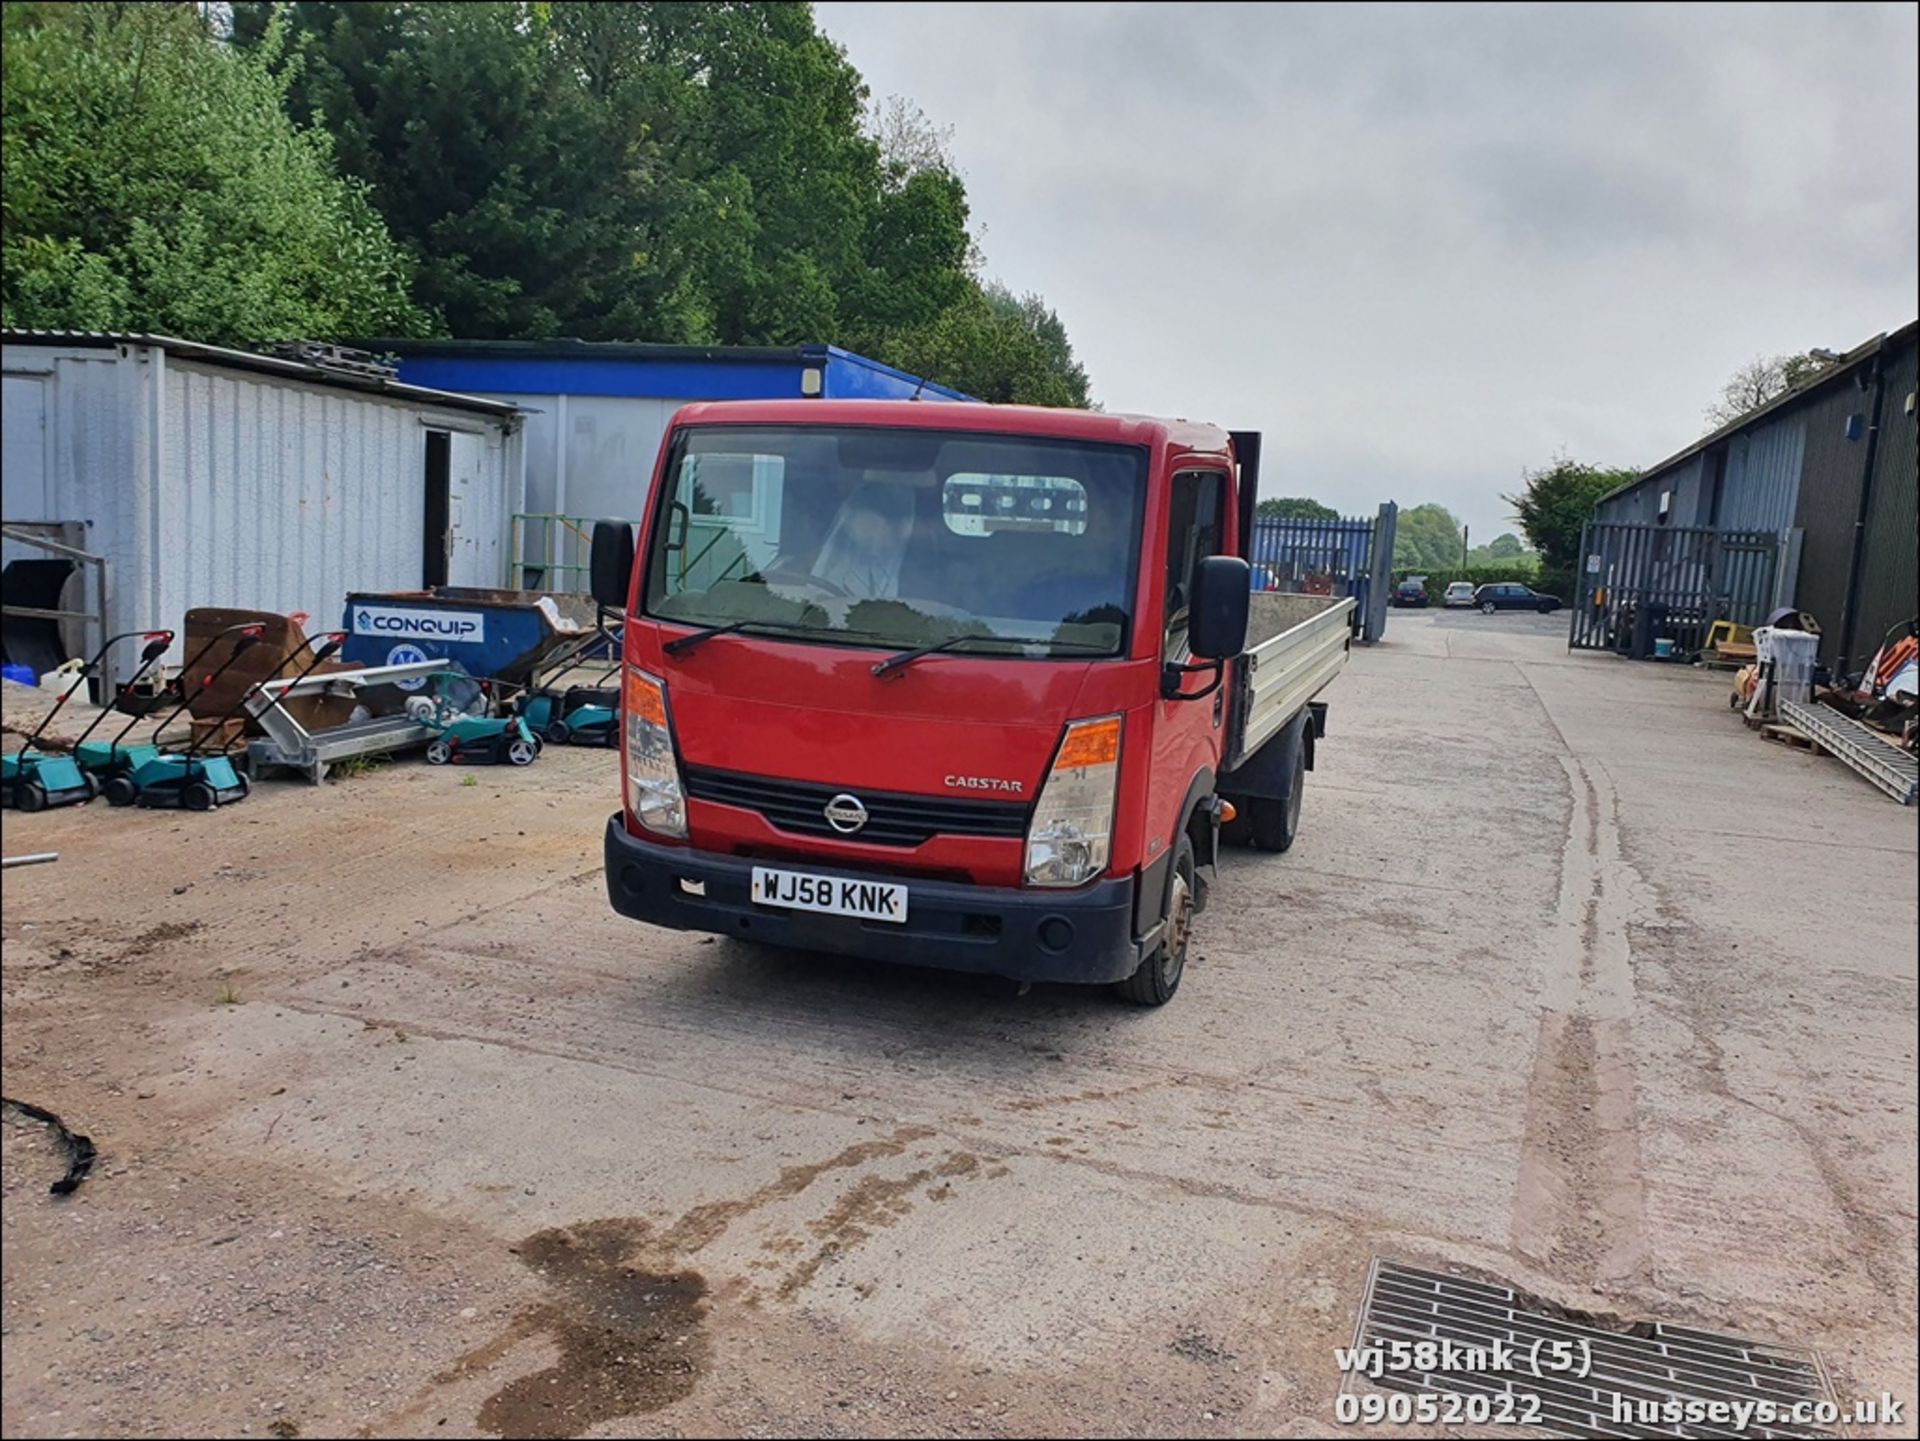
x: 867, y: 541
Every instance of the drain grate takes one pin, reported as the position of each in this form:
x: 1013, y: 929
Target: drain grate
x: 1499, y: 1342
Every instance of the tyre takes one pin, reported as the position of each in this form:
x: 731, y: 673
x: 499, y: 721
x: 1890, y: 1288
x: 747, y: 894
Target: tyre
x: 522, y: 752
x: 119, y: 791
x: 93, y: 786
x: 1545, y: 609
x: 246, y: 785
x: 559, y: 733
x: 30, y: 796
x: 439, y: 753
x: 1277, y: 822
x: 198, y: 796
x: 1486, y: 607
x: 1158, y: 977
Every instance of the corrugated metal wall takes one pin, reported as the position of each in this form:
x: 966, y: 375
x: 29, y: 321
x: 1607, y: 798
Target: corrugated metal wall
x: 1761, y: 481
x: 251, y: 490
x: 1828, y: 501
x: 1890, y: 572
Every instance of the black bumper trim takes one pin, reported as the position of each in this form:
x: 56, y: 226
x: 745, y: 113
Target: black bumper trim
x: 1082, y: 936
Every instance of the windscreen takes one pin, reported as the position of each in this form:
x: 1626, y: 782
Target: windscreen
x: 900, y: 538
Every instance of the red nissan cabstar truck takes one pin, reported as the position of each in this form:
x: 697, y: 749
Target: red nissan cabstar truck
x: 965, y: 686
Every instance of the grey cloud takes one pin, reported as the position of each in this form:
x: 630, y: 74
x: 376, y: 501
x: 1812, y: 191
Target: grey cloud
x: 1422, y: 246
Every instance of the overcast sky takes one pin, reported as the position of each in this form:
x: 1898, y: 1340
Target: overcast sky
x: 1423, y: 248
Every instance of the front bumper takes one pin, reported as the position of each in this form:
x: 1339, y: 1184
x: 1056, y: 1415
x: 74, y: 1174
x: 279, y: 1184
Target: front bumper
x: 1083, y: 936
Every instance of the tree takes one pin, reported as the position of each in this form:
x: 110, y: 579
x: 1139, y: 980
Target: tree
x: 153, y: 181
x: 1295, y: 507
x: 1557, y: 503
x: 997, y: 348
x: 670, y: 172
x: 1426, y: 537
x: 1759, y: 381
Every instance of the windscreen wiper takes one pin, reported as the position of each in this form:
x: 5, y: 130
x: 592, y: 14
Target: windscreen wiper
x: 686, y: 643
x: 907, y: 657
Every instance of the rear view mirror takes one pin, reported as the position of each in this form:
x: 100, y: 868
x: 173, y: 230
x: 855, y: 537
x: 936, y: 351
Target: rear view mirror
x: 612, y: 563
x: 1217, y: 616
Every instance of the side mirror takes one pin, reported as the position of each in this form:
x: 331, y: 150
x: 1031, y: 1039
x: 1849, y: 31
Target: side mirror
x: 612, y: 563
x: 1217, y: 616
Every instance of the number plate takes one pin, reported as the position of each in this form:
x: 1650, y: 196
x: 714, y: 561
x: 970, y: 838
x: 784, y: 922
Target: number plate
x: 830, y: 895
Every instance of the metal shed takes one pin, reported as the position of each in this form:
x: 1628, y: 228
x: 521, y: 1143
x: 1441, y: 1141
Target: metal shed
x: 597, y: 411
x: 1822, y: 477
x: 203, y: 476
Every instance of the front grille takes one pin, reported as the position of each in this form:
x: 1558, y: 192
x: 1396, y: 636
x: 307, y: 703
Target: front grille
x: 799, y: 807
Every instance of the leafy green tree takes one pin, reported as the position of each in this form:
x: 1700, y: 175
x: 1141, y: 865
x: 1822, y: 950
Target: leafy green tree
x: 694, y: 173
x: 153, y: 181
x: 1556, y: 504
x: 1426, y: 536
x: 995, y: 348
x: 1295, y: 507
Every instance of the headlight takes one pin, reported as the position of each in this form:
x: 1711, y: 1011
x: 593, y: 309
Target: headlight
x: 1072, y: 826
x: 655, y: 796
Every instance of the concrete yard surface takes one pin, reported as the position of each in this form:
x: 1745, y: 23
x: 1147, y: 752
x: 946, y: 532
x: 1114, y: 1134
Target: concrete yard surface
x: 1570, y: 981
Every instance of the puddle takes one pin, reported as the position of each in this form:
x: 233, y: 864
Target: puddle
x: 630, y: 1340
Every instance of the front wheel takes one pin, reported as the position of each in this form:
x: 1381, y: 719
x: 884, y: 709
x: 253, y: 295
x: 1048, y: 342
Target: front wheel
x: 1158, y: 976
x: 30, y: 796
x: 522, y: 752
x: 559, y: 733
x: 1545, y: 609
x: 439, y: 753
x: 198, y: 796
x: 1486, y: 608
x: 120, y: 791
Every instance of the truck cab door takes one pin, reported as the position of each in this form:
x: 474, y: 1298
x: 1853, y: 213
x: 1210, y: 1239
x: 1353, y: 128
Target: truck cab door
x: 1187, y: 734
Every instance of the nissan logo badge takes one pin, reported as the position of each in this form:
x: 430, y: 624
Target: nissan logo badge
x: 845, y: 814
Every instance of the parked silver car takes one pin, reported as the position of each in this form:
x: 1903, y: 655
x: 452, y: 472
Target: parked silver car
x: 1459, y: 595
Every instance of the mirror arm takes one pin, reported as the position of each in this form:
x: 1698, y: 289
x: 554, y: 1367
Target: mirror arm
x: 1173, y: 673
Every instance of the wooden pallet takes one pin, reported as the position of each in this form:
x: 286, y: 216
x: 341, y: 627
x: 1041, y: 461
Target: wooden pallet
x: 1787, y: 735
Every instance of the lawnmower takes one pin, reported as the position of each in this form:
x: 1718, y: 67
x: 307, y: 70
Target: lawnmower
x: 188, y: 780
x: 101, y: 759
x: 480, y: 740
x: 584, y: 715
x: 31, y: 779
x: 107, y: 759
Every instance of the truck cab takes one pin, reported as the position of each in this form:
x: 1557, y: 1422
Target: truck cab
x: 953, y: 685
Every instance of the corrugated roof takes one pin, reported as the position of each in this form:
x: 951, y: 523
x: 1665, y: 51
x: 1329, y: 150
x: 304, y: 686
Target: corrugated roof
x: 1861, y: 353
x: 264, y: 364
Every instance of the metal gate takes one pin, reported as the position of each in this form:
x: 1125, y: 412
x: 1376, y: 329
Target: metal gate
x: 1347, y: 557
x: 1677, y: 579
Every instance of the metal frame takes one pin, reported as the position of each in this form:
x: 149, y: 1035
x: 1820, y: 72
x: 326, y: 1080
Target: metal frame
x: 14, y: 531
x: 291, y: 746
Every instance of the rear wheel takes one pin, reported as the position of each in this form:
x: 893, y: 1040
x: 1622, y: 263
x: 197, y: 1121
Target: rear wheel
x: 198, y: 796
x: 246, y: 786
x: 93, y: 785
x: 559, y: 733
x: 30, y: 796
x: 439, y: 753
x: 522, y: 752
x: 1277, y: 822
x: 1486, y: 607
x: 120, y: 791
x: 1158, y: 977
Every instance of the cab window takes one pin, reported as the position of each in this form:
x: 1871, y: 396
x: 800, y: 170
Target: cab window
x: 1196, y: 528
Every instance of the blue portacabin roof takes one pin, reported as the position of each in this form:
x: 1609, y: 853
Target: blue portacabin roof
x: 641, y: 369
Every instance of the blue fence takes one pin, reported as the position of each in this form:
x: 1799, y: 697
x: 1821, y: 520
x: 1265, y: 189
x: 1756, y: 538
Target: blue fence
x: 1318, y: 557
